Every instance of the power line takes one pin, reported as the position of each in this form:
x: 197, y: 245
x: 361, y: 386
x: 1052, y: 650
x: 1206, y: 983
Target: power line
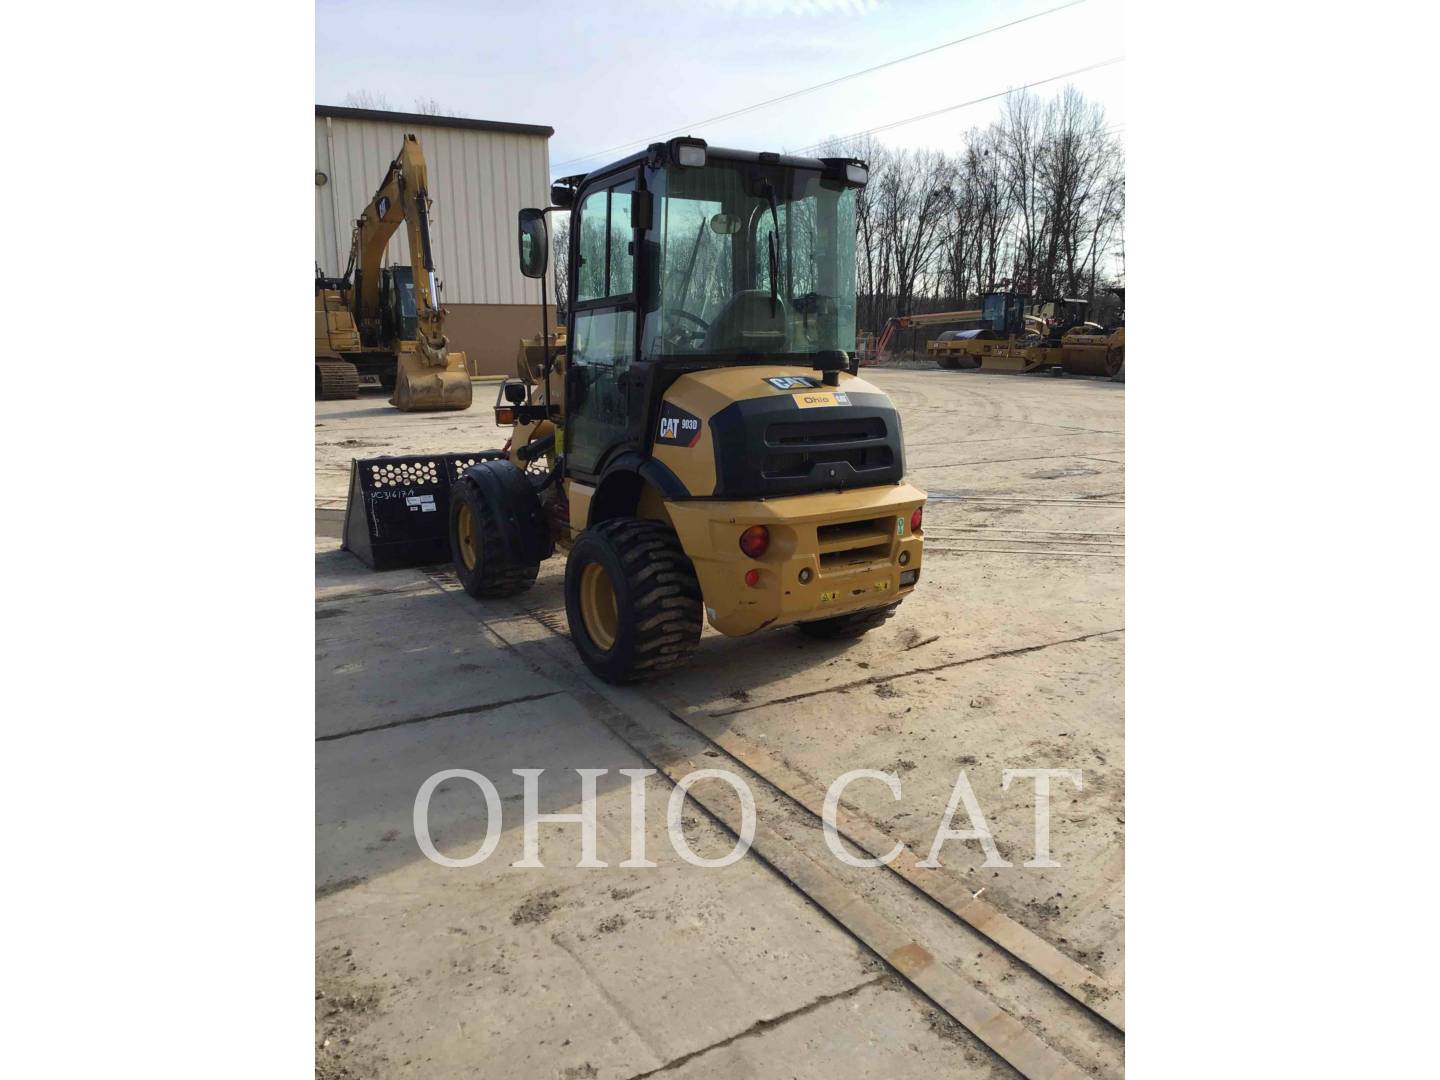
x: 952, y: 108
x: 687, y: 128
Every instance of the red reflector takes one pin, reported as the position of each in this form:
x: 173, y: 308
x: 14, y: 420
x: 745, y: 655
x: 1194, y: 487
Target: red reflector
x: 916, y: 518
x: 755, y: 541
x: 752, y: 578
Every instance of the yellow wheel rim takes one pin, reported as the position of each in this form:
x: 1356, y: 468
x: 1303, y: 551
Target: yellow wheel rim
x: 465, y: 531
x: 597, y: 606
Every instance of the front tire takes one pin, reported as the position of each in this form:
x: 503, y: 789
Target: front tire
x: 852, y: 625
x: 632, y: 599
x: 478, y: 549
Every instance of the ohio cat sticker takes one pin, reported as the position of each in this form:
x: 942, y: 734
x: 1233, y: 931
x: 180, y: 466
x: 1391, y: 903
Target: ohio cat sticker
x: 677, y: 427
x: 822, y: 400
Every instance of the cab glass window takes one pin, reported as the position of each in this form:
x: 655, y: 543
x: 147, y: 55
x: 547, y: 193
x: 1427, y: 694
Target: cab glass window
x: 719, y: 232
x: 607, y: 257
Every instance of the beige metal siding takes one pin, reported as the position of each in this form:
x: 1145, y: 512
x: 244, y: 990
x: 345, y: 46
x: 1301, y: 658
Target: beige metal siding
x: 479, y: 182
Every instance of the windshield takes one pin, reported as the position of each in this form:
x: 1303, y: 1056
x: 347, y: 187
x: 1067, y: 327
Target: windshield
x: 754, y: 260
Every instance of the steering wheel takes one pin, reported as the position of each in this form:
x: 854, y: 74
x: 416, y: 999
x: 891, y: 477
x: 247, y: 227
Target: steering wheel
x: 700, y: 329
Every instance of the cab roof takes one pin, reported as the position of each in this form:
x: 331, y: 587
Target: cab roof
x: 754, y: 157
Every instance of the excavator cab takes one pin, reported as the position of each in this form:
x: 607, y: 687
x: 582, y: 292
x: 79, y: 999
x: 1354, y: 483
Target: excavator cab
x: 397, y: 304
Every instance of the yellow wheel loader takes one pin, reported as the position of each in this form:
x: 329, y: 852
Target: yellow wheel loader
x: 396, y: 309
x: 704, y: 450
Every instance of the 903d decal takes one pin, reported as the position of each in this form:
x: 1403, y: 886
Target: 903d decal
x: 677, y: 427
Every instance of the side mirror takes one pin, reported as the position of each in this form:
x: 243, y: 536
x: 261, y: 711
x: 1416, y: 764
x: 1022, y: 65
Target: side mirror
x: 534, y: 243
x: 562, y: 195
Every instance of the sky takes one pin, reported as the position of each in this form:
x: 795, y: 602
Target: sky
x: 610, y: 77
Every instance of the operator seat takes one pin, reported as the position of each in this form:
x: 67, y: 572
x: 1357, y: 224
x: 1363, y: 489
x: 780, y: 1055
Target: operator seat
x: 745, y: 324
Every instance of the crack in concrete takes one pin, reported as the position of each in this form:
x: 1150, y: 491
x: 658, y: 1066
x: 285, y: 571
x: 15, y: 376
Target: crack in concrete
x: 361, y: 593
x: 873, y: 680
x: 763, y: 1025
x: 997, y: 461
x: 1004, y: 438
x: 468, y: 710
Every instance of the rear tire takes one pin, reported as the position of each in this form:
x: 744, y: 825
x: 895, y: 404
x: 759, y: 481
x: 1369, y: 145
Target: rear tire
x: 632, y: 599
x: 852, y: 625
x: 1115, y: 363
x: 949, y: 363
x: 478, y: 549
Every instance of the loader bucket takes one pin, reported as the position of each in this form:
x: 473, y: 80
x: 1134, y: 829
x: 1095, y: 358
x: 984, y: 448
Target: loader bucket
x: 419, y: 387
x: 398, y: 512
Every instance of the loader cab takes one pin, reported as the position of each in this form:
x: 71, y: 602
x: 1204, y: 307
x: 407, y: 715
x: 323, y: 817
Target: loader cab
x: 397, y: 304
x: 686, y: 257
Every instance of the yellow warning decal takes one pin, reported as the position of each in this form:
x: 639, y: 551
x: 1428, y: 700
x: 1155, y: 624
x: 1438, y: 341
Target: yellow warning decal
x: 828, y: 597
x: 882, y: 586
x: 822, y: 400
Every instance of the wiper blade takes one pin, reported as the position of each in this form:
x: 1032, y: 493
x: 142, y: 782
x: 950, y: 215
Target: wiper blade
x: 774, y: 272
x: 774, y: 248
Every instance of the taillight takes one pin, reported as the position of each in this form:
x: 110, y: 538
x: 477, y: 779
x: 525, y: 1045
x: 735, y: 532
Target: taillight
x: 755, y: 541
x: 917, y: 516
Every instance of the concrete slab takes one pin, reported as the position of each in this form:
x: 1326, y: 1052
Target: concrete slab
x: 392, y: 650
x: 427, y: 973
x: 874, y: 1031
x: 536, y: 971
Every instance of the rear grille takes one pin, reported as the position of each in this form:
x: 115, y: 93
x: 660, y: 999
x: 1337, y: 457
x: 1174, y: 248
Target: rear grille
x: 794, y: 448
x: 854, y: 542
x: 799, y: 432
x: 768, y: 446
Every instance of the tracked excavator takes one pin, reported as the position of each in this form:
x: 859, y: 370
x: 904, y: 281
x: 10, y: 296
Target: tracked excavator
x: 396, y: 309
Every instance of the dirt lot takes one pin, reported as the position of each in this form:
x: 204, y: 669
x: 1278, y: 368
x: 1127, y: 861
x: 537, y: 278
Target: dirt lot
x: 1008, y: 656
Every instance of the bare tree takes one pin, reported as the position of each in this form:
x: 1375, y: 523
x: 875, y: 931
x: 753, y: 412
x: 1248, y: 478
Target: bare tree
x: 367, y: 99
x: 1019, y: 144
x: 560, y: 249
x: 1034, y: 202
x: 431, y: 107
x: 913, y: 201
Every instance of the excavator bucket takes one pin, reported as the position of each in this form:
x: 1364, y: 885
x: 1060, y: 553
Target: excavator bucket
x: 422, y: 387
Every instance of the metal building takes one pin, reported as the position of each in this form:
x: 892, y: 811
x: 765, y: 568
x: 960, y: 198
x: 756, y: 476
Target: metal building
x: 482, y: 173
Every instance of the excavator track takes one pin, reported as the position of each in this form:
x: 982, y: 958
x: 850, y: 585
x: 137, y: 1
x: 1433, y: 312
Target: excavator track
x: 336, y: 380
